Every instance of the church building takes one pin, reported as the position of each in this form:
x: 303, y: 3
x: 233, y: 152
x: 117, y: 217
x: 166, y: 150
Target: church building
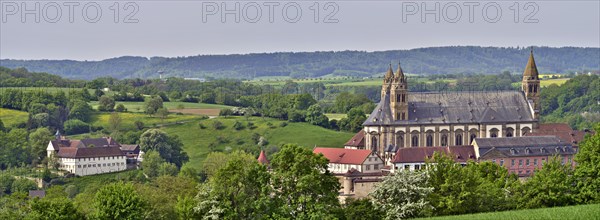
x: 428, y: 119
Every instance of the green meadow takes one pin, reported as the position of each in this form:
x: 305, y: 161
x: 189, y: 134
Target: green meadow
x: 10, y: 117
x: 139, y: 106
x: 562, y: 213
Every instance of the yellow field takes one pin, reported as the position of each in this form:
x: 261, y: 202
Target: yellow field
x: 547, y: 82
x: 10, y: 117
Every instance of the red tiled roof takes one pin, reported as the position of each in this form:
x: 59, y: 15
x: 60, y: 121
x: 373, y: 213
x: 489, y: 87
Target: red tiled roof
x: 561, y: 130
x: 342, y: 155
x: 262, y: 158
x: 460, y: 154
x: 73, y: 152
x: 358, y: 140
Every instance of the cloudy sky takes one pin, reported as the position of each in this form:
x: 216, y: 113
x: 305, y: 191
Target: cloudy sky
x: 95, y: 30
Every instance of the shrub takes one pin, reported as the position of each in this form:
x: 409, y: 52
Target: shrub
x: 225, y: 112
x: 251, y: 125
x: 139, y: 125
x: 238, y: 125
x: 218, y: 125
x: 201, y: 125
x: 120, y: 108
x: 283, y: 124
x: 74, y: 126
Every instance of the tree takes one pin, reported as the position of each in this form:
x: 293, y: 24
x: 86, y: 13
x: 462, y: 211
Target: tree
x: 14, y: 148
x: 403, y: 195
x: 238, y: 125
x: 22, y: 185
x: 167, y: 169
x: 242, y: 189
x: 39, y: 140
x: 162, y: 113
x: 169, y: 147
x: 80, y: 110
x: 361, y: 209
x: 56, y: 208
x: 114, y: 121
x: 106, y: 103
x: 75, y: 126
x: 303, y: 187
x: 118, y: 201
x: 151, y: 105
x: 120, y: 108
x: 161, y: 195
x: 314, y: 115
x: 217, y: 160
x: 353, y: 121
x: 152, y: 163
x: 551, y: 186
x: 587, y: 172
x: 139, y: 125
x: 185, y: 208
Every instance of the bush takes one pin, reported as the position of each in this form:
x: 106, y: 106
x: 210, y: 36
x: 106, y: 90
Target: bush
x: 218, y: 125
x: 139, y: 125
x: 75, y: 126
x: 120, y: 108
x: 283, y: 124
x: 225, y: 112
x: 251, y: 125
x: 238, y: 125
x: 201, y: 125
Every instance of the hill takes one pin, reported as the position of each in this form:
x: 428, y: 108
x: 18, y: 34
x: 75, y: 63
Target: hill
x: 433, y: 60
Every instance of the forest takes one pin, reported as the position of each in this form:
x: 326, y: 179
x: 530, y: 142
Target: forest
x: 433, y: 60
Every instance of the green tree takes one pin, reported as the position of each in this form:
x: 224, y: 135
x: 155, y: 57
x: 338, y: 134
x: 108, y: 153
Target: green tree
x: 353, y: 121
x: 162, y: 113
x: 303, y: 187
x: 161, y: 195
x: 403, y: 195
x: 14, y: 148
x: 217, y: 160
x: 53, y: 209
x: 167, y: 169
x: 169, y: 147
x: 152, y: 163
x: 587, y: 172
x: 139, y: 125
x: 22, y: 185
x: 114, y: 121
x: 106, y: 103
x: 75, y: 126
x: 185, y: 208
x: 551, y: 186
x: 151, y: 105
x: 361, y: 209
x: 120, y: 108
x: 39, y: 140
x: 80, y: 110
x: 118, y: 201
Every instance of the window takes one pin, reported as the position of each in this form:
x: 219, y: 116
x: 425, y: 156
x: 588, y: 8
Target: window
x: 494, y: 133
x: 512, y: 163
x: 406, y: 167
x: 493, y: 160
x: 527, y: 162
x: 374, y: 143
x: 78, y: 166
x: 444, y: 140
x: 400, y: 139
x: 415, y: 140
x: 473, y: 136
x: 525, y: 131
x: 458, y: 140
x: 417, y: 167
x: 501, y: 162
x: 509, y: 132
x: 520, y: 163
x: 376, y: 167
x: 535, y: 162
x: 429, y: 140
x: 368, y: 167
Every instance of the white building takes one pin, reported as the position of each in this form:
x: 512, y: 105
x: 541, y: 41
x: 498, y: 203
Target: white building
x: 415, y: 158
x: 87, y: 156
x: 341, y: 160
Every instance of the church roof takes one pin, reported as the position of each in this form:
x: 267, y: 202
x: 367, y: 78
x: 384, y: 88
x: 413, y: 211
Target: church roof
x: 358, y: 140
x: 531, y: 71
x: 390, y: 73
x: 399, y: 72
x: 456, y: 108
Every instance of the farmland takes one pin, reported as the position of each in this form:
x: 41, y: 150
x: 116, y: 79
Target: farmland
x: 569, y: 212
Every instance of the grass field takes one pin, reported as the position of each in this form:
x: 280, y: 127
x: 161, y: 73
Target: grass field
x: 47, y: 89
x: 139, y: 106
x: 335, y: 116
x: 10, y: 117
x: 196, y: 140
x: 129, y: 118
x: 558, y: 82
x: 569, y: 212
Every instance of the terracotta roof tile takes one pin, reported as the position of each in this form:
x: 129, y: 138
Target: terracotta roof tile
x: 358, y: 140
x: 262, y: 158
x: 460, y: 154
x: 342, y: 155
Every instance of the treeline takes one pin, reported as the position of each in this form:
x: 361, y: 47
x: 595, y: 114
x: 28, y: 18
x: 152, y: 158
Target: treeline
x: 433, y: 60
x: 21, y: 77
x: 295, y: 184
x: 576, y: 102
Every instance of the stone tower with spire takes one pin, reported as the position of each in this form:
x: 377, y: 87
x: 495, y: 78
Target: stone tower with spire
x: 531, y: 85
x: 399, y: 96
x: 387, y: 82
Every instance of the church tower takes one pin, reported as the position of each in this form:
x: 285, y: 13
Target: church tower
x: 399, y: 96
x: 387, y: 80
x: 531, y: 85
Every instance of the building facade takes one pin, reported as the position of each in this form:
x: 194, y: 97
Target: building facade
x: 87, y: 156
x: 341, y: 160
x: 426, y: 119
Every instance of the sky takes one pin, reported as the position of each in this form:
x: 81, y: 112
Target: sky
x: 96, y: 30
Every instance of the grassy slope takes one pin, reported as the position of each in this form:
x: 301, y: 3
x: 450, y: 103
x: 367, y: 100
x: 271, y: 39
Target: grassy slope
x: 569, y: 212
x: 139, y: 106
x: 196, y: 140
x: 129, y: 118
x: 10, y: 117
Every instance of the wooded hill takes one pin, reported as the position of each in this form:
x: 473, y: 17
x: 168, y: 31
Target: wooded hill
x: 433, y: 60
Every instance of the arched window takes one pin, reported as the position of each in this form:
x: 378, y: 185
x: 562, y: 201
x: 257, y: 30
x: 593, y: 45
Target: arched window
x: 510, y: 132
x: 458, y: 139
x: 444, y: 140
x: 525, y: 131
x: 415, y: 140
x: 400, y: 139
x: 494, y: 133
x: 473, y: 136
x: 429, y: 140
x: 374, y: 143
